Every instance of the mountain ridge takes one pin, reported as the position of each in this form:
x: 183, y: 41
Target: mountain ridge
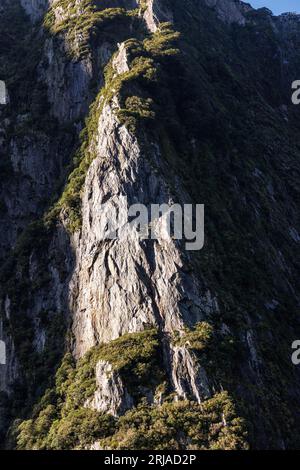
x: 201, y: 117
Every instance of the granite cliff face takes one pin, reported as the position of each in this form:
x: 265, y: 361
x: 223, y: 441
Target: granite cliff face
x: 159, y: 102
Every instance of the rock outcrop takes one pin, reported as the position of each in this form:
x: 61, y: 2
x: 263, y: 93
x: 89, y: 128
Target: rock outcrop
x: 230, y: 11
x: 119, y: 108
x: 111, y: 396
x: 35, y: 9
x: 156, y: 12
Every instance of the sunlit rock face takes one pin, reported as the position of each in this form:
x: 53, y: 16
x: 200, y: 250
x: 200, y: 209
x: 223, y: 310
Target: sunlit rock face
x: 157, y: 11
x: 117, y: 105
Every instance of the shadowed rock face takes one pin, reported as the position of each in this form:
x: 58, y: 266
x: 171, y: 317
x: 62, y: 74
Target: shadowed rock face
x: 36, y: 8
x: 213, y: 125
x: 228, y: 11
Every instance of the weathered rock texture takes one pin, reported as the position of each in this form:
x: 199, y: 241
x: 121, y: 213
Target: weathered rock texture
x: 111, y: 395
x: 213, y: 125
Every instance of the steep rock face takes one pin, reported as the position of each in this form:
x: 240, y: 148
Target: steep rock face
x: 99, y: 314
x: 33, y: 152
x: 230, y: 11
x: 107, y: 304
x: 34, y: 174
x: 36, y: 8
x: 66, y: 83
x: 111, y: 395
x: 76, y: 291
x: 287, y: 27
x: 157, y: 11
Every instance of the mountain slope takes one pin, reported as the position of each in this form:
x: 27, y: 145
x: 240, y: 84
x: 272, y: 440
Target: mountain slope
x: 189, y: 102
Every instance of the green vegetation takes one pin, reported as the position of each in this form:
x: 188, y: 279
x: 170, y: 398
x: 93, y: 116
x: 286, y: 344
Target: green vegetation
x: 61, y: 421
x: 20, y: 288
x: 145, y: 59
x: 180, y: 425
x: 83, y: 24
x: 76, y: 430
x: 20, y: 56
x: 136, y: 108
x: 197, y: 338
x: 136, y: 357
x: 221, y: 130
x: 38, y: 367
x: 216, y: 111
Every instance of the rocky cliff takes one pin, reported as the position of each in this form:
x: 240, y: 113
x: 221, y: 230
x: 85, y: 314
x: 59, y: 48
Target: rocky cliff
x: 132, y: 343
